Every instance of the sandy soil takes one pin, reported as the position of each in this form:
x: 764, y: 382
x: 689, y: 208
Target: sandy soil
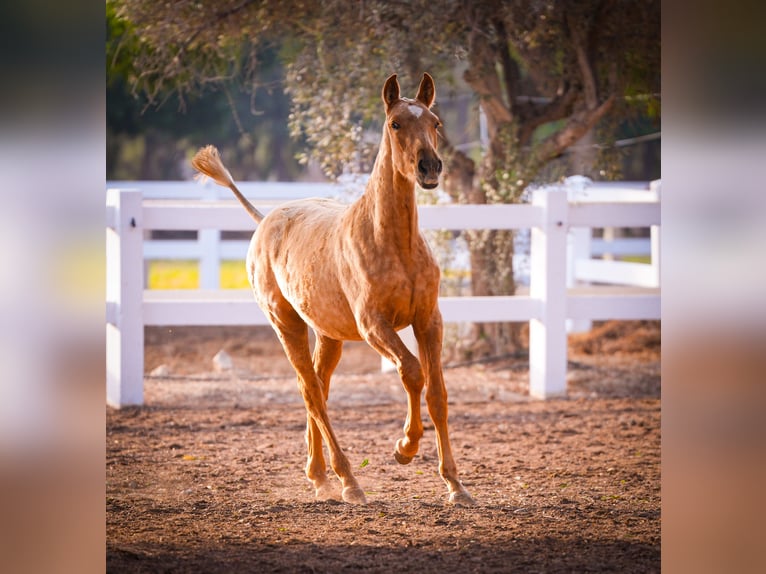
x: 208, y: 476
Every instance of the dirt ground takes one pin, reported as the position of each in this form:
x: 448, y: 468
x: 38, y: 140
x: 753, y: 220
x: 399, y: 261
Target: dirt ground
x: 208, y: 476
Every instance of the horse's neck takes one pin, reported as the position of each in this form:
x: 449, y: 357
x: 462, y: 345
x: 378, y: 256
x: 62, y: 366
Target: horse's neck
x: 391, y: 203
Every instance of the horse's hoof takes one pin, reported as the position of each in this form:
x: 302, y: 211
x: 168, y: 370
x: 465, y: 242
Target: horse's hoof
x: 401, y: 458
x: 354, y: 495
x: 326, y: 491
x: 461, y: 498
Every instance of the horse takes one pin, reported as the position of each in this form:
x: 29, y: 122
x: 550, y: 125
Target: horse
x: 358, y: 272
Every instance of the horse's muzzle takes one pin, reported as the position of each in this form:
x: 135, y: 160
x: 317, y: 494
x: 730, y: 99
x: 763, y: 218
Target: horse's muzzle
x: 429, y: 170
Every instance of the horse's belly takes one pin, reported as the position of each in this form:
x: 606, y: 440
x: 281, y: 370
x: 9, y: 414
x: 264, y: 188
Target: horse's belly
x: 327, y: 312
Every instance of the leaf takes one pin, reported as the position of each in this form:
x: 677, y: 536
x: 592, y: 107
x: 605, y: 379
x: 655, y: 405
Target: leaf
x: 365, y: 462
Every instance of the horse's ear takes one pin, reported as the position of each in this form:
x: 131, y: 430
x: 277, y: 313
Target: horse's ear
x: 391, y: 91
x: 427, y: 90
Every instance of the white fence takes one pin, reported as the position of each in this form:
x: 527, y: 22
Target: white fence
x: 209, y: 250
x: 548, y: 306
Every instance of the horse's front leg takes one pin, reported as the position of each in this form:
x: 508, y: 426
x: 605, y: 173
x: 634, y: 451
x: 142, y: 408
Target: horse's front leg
x: 382, y: 337
x: 429, y: 336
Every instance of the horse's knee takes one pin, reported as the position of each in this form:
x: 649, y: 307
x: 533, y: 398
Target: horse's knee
x: 411, y: 374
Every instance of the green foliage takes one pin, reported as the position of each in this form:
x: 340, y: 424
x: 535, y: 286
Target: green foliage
x: 336, y: 56
x: 151, y: 135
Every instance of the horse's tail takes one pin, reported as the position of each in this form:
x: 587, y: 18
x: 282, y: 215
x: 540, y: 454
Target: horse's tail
x: 208, y: 162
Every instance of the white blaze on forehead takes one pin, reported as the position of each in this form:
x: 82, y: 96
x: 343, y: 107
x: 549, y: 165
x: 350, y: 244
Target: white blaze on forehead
x: 415, y: 110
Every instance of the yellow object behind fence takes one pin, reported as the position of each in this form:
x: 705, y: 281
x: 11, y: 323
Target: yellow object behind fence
x: 165, y: 274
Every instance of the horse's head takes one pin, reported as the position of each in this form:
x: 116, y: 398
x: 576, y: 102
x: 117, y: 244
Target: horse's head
x: 412, y: 130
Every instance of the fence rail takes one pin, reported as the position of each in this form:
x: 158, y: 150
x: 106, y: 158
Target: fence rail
x: 548, y: 306
x: 209, y: 249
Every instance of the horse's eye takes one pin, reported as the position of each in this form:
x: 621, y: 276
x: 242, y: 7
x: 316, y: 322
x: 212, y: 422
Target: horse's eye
x: 395, y: 125
x: 437, y: 125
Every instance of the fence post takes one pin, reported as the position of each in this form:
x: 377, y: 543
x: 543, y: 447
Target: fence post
x: 124, y: 297
x: 548, y: 276
x: 655, y: 233
x: 210, y: 252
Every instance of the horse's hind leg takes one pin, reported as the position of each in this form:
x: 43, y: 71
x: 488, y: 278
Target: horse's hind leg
x: 326, y: 356
x: 293, y: 333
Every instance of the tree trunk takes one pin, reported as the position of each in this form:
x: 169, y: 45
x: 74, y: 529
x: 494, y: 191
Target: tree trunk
x: 491, y: 251
x: 511, y: 161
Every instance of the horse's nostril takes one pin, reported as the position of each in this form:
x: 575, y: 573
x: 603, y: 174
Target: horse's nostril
x: 426, y: 166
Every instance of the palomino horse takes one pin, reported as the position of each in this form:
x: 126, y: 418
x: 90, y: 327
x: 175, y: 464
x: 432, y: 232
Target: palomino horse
x: 357, y: 272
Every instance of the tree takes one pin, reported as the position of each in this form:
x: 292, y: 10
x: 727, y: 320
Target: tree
x: 545, y: 74
x: 154, y: 137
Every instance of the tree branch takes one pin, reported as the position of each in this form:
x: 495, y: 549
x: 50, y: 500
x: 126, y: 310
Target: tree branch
x: 532, y: 116
x: 511, y: 72
x: 219, y: 17
x: 580, y: 45
x: 482, y: 78
x: 576, y: 127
